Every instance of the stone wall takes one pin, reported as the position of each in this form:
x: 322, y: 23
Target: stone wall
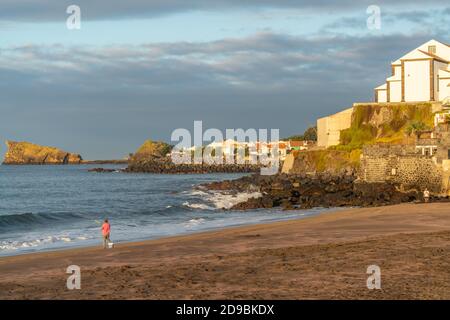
x: 401, y: 164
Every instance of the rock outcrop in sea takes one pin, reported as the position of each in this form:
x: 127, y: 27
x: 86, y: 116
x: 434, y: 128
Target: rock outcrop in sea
x: 153, y: 157
x: 20, y: 153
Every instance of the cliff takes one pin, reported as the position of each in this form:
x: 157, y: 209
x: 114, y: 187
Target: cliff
x: 29, y: 153
x: 150, y: 150
x: 335, y: 162
x: 379, y: 123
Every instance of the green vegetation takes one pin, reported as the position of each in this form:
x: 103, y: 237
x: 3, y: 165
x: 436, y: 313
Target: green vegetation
x: 152, y: 149
x: 327, y: 160
x: 415, y: 127
x: 385, y: 124
x: 309, y: 134
x: 298, y: 137
x: 371, y: 124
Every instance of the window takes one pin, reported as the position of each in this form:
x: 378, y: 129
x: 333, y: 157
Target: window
x: 432, y: 49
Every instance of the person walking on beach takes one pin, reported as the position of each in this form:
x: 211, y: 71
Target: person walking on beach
x: 106, y: 231
x: 426, y: 195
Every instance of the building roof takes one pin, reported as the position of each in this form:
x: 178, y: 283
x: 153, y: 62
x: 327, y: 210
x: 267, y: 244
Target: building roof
x: 296, y: 143
x: 434, y: 56
x: 413, y: 54
x: 396, y: 77
x: 382, y: 87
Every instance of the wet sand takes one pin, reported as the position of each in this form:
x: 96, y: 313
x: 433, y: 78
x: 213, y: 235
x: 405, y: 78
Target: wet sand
x: 323, y: 257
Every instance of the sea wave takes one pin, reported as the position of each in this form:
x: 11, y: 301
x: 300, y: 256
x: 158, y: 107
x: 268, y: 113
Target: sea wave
x: 200, y: 206
x: 216, y: 200
x: 8, y: 245
x: 28, y: 219
x: 194, y: 222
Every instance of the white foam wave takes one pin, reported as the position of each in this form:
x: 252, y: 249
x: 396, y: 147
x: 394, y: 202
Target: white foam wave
x: 214, y: 200
x: 200, y: 206
x: 194, y: 222
x: 15, y: 245
x: 227, y: 201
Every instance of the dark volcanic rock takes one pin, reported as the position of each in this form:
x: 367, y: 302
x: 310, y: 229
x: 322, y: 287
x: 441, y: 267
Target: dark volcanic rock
x: 165, y: 165
x: 309, y: 191
x: 102, y: 170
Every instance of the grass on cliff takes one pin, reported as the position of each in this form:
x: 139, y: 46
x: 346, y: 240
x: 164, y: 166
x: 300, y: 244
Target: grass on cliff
x: 152, y: 148
x: 330, y: 160
x: 384, y: 124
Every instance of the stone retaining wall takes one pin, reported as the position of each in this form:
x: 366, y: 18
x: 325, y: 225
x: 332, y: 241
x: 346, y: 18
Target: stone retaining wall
x: 400, y: 164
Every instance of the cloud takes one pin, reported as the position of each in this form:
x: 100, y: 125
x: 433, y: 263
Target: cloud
x: 434, y: 19
x: 43, y: 10
x: 112, y: 76
x: 264, y: 61
x: 68, y: 95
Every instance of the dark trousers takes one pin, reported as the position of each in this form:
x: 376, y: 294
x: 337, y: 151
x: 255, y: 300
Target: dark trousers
x: 106, y: 241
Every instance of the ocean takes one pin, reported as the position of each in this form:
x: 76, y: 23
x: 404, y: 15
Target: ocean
x: 54, y: 207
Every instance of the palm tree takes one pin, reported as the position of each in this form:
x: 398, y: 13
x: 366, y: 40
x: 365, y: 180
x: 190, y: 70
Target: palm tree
x: 416, y: 127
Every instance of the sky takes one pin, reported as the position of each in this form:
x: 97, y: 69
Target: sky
x: 138, y: 70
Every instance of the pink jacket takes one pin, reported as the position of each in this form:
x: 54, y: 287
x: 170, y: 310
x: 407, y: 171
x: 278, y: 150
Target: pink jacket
x: 106, y: 228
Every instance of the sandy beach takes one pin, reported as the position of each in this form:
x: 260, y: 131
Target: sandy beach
x: 323, y: 257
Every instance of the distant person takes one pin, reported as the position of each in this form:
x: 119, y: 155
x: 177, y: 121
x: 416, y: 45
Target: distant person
x: 426, y: 195
x: 106, y: 232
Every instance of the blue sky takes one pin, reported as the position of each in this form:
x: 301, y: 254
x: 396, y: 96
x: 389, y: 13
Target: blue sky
x: 140, y: 69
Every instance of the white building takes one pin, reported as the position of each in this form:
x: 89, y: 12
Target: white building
x: 420, y: 75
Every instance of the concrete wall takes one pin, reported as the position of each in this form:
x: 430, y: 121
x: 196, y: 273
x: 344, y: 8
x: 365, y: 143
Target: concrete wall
x: 382, y: 96
x: 444, y: 89
x: 328, y: 128
x: 395, y: 94
x: 288, y: 163
x: 437, y: 66
x: 417, y: 80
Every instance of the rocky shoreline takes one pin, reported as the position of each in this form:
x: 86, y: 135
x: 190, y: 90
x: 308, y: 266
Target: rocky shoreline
x: 304, y: 191
x: 165, y: 165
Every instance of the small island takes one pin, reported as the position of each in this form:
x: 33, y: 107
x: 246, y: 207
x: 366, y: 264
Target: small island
x: 26, y: 153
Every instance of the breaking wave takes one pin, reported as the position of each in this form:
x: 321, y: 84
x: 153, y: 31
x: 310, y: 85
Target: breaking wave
x: 194, y: 222
x: 15, y: 245
x: 215, y: 200
x: 28, y: 219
